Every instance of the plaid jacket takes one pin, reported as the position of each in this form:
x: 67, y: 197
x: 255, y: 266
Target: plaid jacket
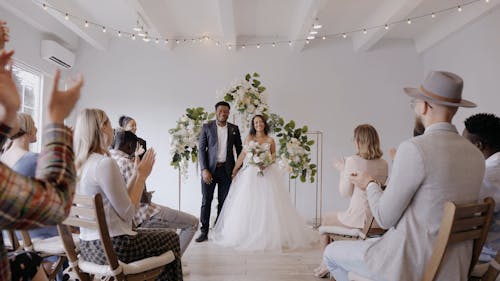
x: 27, y: 203
x: 127, y: 169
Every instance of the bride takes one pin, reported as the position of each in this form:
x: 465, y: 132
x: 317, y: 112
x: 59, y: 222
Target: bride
x: 258, y: 213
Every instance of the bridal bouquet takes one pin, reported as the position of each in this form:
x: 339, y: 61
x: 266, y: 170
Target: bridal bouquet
x: 259, y: 155
x: 248, y: 98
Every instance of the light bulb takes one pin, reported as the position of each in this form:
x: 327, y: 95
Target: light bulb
x: 104, y: 29
x: 386, y: 27
x: 274, y: 44
x: 86, y: 24
x: 433, y: 15
x: 459, y: 8
x: 44, y: 6
x: 409, y: 21
x: 157, y: 41
x: 119, y: 33
x: 133, y: 36
x: 307, y: 42
x: 324, y: 37
x: 66, y: 17
x: 243, y: 47
x: 177, y: 41
x: 313, y: 32
x: 289, y: 43
x: 258, y: 46
x: 229, y: 47
x: 365, y: 31
x: 344, y: 35
x: 166, y: 41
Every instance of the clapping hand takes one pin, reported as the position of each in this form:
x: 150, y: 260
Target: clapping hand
x: 360, y: 179
x: 62, y: 102
x: 339, y: 164
x: 145, y: 166
x: 4, y: 34
x: 9, y: 97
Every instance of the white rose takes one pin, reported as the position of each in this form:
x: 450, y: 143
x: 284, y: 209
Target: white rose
x: 256, y: 159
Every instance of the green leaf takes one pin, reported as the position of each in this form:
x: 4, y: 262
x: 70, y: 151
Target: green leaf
x: 261, y: 89
x: 292, y: 124
x: 304, y: 129
x: 256, y: 83
x: 307, y: 148
x: 247, y: 77
x: 311, y: 142
x: 255, y: 74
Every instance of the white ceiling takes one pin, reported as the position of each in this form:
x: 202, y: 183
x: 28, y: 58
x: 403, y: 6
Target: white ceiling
x: 238, y: 22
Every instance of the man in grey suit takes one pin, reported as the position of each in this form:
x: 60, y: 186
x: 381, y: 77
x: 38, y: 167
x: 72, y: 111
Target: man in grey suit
x: 215, y: 152
x: 428, y: 170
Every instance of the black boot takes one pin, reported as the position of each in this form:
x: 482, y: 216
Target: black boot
x: 203, y: 237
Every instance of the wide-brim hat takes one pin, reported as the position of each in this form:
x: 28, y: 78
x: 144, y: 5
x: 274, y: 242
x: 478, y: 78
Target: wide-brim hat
x: 441, y: 87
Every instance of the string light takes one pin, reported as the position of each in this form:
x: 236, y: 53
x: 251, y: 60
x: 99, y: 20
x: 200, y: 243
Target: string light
x: 314, y: 30
x: 157, y: 41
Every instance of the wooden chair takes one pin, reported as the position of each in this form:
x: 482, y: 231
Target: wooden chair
x: 337, y: 233
x: 487, y: 271
x: 460, y: 223
x: 47, y: 247
x: 88, y: 212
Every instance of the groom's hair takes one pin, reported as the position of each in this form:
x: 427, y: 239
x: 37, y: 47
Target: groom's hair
x: 222, y: 103
x: 253, y: 132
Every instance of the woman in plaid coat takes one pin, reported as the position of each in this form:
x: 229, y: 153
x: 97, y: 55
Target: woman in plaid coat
x: 99, y: 173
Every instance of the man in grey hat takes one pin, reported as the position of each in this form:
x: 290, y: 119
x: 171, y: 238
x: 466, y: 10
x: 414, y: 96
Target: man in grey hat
x: 428, y: 170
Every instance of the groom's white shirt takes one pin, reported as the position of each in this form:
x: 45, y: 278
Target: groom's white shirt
x: 221, y: 143
x: 428, y: 170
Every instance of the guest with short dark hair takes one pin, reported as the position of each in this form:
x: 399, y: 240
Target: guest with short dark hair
x: 483, y: 130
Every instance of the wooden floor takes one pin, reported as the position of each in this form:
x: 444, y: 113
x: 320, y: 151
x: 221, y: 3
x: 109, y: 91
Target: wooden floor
x: 209, y: 262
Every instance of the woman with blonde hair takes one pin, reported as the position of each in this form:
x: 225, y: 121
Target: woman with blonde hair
x: 16, y: 153
x: 367, y: 159
x: 99, y: 173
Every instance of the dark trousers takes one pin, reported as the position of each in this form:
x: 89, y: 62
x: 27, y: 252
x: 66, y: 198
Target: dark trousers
x: 223, y: 182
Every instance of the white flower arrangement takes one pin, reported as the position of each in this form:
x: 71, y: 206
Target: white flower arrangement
x: 258, y: 155
x: 248, y: 98
x: 184, y: 138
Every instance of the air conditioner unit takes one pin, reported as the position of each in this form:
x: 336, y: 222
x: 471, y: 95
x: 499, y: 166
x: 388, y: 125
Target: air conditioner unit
x: 55, y: 53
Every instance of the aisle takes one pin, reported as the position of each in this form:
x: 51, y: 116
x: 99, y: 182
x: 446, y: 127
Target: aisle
x: 209, y: 262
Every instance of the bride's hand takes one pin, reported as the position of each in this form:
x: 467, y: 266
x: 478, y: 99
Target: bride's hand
x: 235, y: 172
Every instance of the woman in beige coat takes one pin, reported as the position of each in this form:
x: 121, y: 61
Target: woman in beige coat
x: 367, y: 159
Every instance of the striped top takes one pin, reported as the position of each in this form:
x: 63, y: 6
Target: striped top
x: 27, y: 203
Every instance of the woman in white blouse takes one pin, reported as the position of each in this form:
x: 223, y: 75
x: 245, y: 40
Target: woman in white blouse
x: 367, y: 159
x: 99, y: 173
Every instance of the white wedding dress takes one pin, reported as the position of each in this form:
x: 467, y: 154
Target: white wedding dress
x: 258, y: 214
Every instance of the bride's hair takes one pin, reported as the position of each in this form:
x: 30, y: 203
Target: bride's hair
x: 253, y: 132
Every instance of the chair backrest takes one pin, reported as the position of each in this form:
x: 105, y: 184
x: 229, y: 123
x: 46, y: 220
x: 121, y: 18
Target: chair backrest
x: 460, y: 222
x: 87, y: 212
x: 369, y: 229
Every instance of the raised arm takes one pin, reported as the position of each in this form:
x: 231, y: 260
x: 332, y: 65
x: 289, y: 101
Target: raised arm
x: 28, y: 202
x: 346, y: 188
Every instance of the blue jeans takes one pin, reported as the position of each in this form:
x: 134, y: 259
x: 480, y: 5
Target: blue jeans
x: 341, y: 257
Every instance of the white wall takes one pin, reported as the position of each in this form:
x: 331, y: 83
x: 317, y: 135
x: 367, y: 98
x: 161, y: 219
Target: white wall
x: 330, y: 88
x: 473, y: 53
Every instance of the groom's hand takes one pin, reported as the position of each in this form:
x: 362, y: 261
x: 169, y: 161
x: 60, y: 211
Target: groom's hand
x: 207, y: 176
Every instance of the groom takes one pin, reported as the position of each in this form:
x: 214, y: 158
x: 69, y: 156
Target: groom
x: 215, y: 151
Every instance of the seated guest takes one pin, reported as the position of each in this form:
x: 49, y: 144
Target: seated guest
x: 428, y: 170
x: 367, y: 159
x: 99, y: 173
x: 151, y: 215
x: 18, y: 157
x: 483, y: 130
x: 27, y: 203
x: 128, y: 123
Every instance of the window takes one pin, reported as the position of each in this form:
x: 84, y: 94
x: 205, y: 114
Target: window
x: 29, y: 85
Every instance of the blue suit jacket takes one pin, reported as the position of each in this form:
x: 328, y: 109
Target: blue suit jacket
x: 208, y: 146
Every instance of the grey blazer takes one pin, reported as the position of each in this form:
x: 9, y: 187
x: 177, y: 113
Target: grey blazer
x: 428, y: 170
x: 208, y: 146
